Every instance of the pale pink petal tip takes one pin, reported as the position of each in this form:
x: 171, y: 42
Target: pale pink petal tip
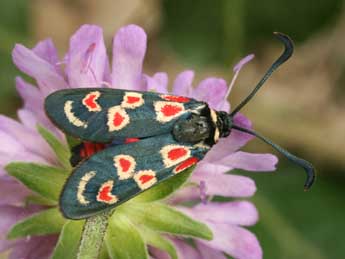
x: 158, y: 82
x: 129, y: 49
x: 183, y: 83
x: 203, y: 192
x: 236, y: 241
x: 242, y: 62
x: 217, y: 86
x: 132, y: 39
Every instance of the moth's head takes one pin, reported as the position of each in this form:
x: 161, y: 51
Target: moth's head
x: 192, y: 130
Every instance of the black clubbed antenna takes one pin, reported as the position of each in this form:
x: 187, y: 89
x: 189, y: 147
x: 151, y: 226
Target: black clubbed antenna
x: 308, y: 167
x: 283, y: 57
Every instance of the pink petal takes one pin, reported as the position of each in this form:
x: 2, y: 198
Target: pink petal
x: 250, y: 162
x: 33, y: 111
x: 128, y: 54
x: 87, y: 57
x: 223, y: 106
x: 9, y: 215
x: 12, y: 150
x: 183, y: 83
x: 46, y: 50
x: 33, y: 65
x: 184, y: 194
x: 242, y: 62
x: 237, y: 213
x: 210, y: 168
x: 14, y: 193
x: 185, y: 251
x: 225, y: 184
x: 216, y: 86
x: 235, y: 241
x: 29, y: 139
x: 158, y: 254
x: 208, y: 252
x: 31, y: 95
x: 158, y: 82
x: 30, y: 120
x: 9, y: 145
x: 38, y: 247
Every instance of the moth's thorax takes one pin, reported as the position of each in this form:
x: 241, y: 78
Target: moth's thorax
x: 207, y: 127
x: 193, y: 130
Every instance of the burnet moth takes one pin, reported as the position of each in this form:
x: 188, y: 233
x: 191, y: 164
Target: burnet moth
x: 134, y: 140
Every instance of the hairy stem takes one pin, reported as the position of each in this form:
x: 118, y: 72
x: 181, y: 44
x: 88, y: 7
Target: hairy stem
x: 93, y: 235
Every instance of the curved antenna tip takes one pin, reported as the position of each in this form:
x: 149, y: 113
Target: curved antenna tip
x: 288, y: 43
x: 310, y: 177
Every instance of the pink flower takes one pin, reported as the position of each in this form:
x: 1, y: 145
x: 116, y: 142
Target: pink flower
x: 86, y: 65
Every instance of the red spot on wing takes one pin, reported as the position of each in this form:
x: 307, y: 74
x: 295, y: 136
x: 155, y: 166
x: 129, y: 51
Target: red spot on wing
x: 82, y: 153
x: 118, y: 119
x: 179, y: 99
x: 104, y: 193
x: 89, y: 148
x: 125, y: 164
x: 99, y: 147
x: 131, y: 140
x: 145, y: 178
x: 90, y: 101
x: 170, y: 110
x: 132, y: 99
x: 177, y: 153
x: 185, y: 164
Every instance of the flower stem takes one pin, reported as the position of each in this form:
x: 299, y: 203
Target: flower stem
x: 93, y: 235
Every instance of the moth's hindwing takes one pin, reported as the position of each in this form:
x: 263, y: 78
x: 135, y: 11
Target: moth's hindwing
x: 119, y: 173
x: 104, y: 114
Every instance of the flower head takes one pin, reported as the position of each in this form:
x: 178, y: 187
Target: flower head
x: 86, y: 65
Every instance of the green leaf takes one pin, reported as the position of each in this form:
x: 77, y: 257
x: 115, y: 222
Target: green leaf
x: 67, y: 245
x: 153, y: 238
x: 123, y: 239
x: 163, y: 218
x: 42, y: 179
x: 40, y: 200
x: 46, y: 222
x: 62, y: 151
x: 164, y: 189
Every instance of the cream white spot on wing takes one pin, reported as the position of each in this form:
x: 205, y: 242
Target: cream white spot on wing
x: 167, y: 111
x: 132, y: 100
x: 125, y: 166
x: 117, y: 118
x: 145, y: 179
x: 90, y: 101
x: 174, y: 154
x: 81, y: 187
x: 104, y: 193
x: 71, y: 117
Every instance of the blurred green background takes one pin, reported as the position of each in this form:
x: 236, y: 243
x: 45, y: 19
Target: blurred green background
x: 301, y: 107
